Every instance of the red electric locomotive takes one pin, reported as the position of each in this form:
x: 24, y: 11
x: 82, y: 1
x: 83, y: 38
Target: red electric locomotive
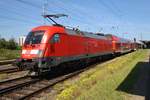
x: 49, y: 46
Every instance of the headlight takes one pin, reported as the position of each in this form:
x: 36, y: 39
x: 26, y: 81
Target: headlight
x: 23, y: 51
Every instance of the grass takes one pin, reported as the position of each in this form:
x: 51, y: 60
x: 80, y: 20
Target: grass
x: 6, y: 54
x: 101, y: 82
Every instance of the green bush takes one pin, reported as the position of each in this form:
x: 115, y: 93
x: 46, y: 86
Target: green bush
x: 9, y: 54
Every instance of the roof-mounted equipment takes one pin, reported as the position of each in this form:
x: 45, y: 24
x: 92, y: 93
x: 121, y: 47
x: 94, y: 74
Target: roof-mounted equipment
x: 50, y: 17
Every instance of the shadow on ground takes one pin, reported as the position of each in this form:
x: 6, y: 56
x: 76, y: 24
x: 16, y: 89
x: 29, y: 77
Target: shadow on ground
x: 138, y: 81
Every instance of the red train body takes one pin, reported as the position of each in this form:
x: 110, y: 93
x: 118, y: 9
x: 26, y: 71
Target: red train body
x: 121, y: 45
x: 48, y: 46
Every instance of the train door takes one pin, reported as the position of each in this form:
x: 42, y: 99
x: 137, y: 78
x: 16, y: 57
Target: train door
x: 59, y: 45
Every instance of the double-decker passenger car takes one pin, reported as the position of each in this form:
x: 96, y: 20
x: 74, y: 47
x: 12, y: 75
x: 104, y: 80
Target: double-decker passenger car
x: 121, y: 45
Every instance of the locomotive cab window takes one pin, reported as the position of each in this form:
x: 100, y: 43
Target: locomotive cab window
x: 34, y: 37
x: 55, y: 38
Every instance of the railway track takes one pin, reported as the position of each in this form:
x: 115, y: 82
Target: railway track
x: 6, y: 67
x: 4, y: 62
x: 9, y: 86
x: 27, y: 88
x: 9, y: 70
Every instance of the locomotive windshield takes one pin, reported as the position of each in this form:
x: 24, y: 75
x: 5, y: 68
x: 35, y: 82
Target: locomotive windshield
x: 34, y: 37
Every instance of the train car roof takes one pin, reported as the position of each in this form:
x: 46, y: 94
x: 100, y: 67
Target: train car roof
x: 73, y: 31
x: 46, y: 27
x: 113, y: 37
x: 119, y: 39
x: 84, y: 34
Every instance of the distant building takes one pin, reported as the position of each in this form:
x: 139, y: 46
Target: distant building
x: 21, y: 40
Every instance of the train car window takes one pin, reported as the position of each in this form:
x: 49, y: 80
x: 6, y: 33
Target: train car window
x: 55, y: 38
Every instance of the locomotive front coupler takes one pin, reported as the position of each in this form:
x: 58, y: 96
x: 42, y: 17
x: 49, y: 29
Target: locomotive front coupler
x: 37, y: 65
x: 42, y: 65
x: 26, y: 64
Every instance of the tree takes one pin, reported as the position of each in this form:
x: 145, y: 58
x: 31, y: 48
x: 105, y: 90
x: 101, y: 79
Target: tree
x: 12, y: 44
x: 3, y: 43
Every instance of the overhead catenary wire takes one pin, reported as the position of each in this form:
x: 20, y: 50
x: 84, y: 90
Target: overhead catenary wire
x: 115, y: 7
x: 78, y: 16
x: 16, y: 19
x: 112, y: 7
x: 29, y: 3
x: 37, y: 6
x: 114, y: 12
x: 13, y: 15
x: 21, y: 16
x: 79, y: 19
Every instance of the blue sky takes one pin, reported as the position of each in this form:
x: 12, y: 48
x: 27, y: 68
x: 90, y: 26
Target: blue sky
x: 18, y: 17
